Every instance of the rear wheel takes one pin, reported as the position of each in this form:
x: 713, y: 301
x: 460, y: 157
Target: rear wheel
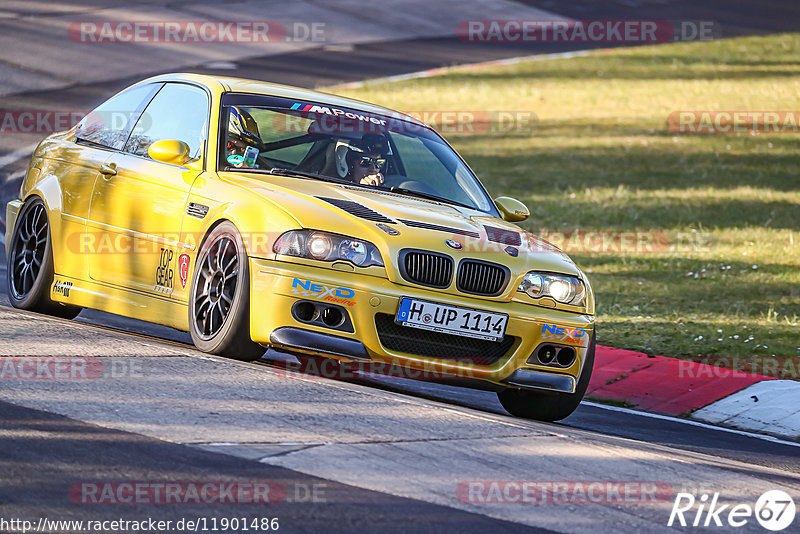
x: 219, y: 303
x: 30, y: 263
x: 548, y: 406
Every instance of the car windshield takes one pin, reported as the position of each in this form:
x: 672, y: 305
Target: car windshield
x: 319, y: 140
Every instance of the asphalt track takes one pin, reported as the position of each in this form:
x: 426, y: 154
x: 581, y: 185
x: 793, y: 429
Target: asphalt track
x: 412, y: 446
x: 42, y: 454
x: 64, y: 451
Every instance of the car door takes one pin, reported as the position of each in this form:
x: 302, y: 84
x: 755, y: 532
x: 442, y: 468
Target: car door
x: 97, y: 137
x: 138, y: 203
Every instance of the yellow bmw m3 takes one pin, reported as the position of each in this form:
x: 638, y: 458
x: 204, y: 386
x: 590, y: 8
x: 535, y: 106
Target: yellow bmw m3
x: 255, y: 215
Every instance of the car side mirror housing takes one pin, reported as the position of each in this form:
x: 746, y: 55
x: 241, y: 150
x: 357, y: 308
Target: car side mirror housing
x: 169, y: 151
x: 512, y: 209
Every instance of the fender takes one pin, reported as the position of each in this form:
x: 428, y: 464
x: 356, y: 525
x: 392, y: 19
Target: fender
x: 258, y: 219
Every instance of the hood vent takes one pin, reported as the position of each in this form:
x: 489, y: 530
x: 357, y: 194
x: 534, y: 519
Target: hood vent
x: 357, y: 210
x: 501, y: 235
x: 429, y: 226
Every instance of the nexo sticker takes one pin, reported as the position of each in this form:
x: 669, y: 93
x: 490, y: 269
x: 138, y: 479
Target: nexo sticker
x: 307, y: 288
x: 554, y: 332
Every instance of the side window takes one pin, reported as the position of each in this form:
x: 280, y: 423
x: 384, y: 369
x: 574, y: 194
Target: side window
x: 178, y: 112
x: 109, y: 124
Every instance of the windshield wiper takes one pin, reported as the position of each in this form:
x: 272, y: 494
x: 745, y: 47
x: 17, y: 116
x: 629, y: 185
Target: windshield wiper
x: 428, y: 196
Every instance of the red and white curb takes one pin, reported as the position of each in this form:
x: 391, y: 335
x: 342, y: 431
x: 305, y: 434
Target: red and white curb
x: 771, y: 407
x: 714, y: 395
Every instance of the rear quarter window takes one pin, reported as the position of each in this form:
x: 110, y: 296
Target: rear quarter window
x: 110, y: 123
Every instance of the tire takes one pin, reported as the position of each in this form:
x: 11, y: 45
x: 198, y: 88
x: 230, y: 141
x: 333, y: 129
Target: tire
x: 548, y: 406
x: 29, y: 272
x: 219, y: 301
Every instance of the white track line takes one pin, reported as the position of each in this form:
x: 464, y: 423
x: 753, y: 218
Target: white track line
x: 693, y: 423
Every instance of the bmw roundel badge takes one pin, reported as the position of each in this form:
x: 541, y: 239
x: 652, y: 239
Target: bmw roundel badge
x: 452, y: 243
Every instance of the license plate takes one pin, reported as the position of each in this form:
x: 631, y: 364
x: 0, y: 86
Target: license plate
x: 447, y: 319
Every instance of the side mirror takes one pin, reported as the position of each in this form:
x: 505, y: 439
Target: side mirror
x: 512, y: 209
x: 169, y: 151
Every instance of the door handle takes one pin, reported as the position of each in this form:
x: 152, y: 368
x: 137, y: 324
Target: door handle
x: 108, y: 170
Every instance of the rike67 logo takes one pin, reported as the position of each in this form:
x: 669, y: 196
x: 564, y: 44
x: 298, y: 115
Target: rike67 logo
x: 774, y: 510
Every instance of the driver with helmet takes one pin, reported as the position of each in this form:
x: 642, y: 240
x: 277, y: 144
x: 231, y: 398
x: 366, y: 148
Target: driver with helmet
x: 242, y: 132
x: 362, y: 160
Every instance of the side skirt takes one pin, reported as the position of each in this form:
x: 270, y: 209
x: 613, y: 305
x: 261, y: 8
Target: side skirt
x: 99, y: 296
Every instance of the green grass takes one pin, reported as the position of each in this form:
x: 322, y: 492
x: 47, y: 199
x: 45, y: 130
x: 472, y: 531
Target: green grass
x: 601, y: 158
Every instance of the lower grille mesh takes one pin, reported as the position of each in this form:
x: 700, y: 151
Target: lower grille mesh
x: 437, y: 345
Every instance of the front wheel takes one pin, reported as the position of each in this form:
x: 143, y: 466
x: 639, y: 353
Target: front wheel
x: 548, y: 406
x: 29, y: 271
x: 219, y: 302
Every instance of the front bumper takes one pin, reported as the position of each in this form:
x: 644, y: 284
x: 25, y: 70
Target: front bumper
x: 274, y: 290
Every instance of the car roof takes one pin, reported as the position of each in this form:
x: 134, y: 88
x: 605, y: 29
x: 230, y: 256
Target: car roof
x: 223, y: 84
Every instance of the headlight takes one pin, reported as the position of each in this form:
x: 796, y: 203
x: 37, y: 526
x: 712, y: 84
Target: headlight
x: 353, y: 251
x: 323, y: 246
x: 319, y: 246
x: 562, y: 288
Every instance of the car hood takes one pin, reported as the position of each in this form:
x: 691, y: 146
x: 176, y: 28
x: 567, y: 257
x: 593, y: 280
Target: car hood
x: 376, y: 216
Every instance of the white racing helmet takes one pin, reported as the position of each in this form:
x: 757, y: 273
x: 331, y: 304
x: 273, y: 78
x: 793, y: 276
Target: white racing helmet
x: 370, y: 143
